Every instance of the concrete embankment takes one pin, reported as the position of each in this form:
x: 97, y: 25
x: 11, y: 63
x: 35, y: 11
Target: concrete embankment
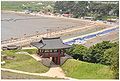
x: 90, y: 35
x: 88, y: 40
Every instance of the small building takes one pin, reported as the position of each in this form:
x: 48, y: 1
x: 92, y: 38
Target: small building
x: 89, y: 18
x: 111, y: 20
x: 28, y: 11
x: 67, y: 15
x: 51, y: 47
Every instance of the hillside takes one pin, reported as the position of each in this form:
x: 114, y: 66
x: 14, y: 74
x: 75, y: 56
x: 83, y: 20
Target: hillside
x: 83, y: 70
x: 22, y: 62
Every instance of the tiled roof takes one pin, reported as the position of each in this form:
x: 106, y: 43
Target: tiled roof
x: 50, y: 43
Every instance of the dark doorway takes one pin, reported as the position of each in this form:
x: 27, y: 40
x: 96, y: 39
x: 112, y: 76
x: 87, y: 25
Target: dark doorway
x: 55, y: 60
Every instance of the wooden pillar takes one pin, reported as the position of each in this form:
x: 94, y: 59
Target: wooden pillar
x: 43, y: 52
x: 49, y: 53
x: 38, y: 51
x: 59, y: 56
x: 63, y: 51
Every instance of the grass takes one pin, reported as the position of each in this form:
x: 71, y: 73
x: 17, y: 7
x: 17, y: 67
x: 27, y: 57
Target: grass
x: 11, y: 75
x: 109, y: 17
x: 30, y: 51
x: 24, y: 62
x: 83, y: 70
x: 105, y: 17
x: 22, y: 5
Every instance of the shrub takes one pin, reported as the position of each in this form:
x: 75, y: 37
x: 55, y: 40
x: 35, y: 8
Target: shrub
x: 111, y: 57
x: 77, y: 51
x: 96, y: 52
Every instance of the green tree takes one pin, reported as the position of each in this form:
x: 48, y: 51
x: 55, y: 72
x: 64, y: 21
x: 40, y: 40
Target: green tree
x: 77, y: 51
x: 111, y: 57
x: 97, y: 9
x: 80, y: 49
x: 95, y: 52
x: 63, y: 6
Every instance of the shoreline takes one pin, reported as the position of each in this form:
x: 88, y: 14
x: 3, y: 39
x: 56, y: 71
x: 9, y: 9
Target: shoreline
x: 44, y: 15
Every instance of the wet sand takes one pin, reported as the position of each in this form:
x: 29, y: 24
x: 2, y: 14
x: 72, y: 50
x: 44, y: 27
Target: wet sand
x: 17, y: 25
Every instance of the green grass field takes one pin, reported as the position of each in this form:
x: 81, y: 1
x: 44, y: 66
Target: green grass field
x: 11, y: 75
x: 83, y: 70
x: 24, y: 62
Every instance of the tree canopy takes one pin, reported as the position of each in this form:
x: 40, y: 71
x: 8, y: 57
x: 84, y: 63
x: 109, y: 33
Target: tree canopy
x: 111, y: 56
x: 96, y: 9
x: 88, y: 8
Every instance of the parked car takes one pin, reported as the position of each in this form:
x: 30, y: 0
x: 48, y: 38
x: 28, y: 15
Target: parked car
x: 11, y: 47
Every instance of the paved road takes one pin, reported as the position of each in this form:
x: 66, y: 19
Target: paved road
x: 113, y: 37
x: 88, y: 34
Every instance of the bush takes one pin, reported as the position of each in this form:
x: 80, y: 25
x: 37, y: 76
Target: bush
x: 111, y: 57
x: 77, y: 51
x: 96, y: 52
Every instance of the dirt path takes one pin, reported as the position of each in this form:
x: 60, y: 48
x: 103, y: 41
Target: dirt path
x: 54, y: 71
x: 51, y: 73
